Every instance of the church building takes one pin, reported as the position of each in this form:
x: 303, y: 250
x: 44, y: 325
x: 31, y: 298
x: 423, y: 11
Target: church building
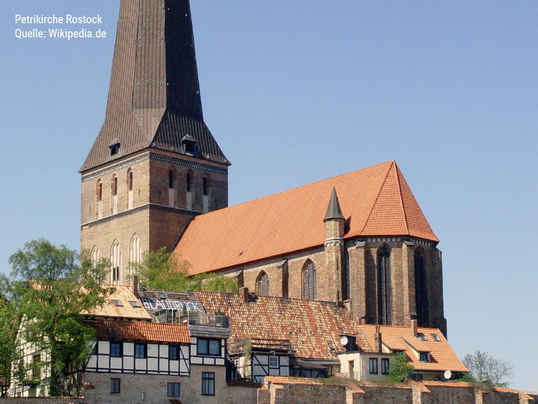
x: 156, y: 176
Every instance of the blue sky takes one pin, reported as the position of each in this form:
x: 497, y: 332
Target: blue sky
x: 298, y: 91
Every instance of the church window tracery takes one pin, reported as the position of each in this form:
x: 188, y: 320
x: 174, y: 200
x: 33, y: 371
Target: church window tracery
x: 115, y: 260
x: 99, y: 192
x: 206, y: 195
x: 263, y: 284
x: 384, y: 284
x: 114, y: 189
x: 309, y: 281
x: 189, y: 196
x: 130, y: 183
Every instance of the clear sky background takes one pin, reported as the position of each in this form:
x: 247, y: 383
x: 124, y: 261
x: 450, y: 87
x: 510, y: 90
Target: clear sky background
x: 297, y: 91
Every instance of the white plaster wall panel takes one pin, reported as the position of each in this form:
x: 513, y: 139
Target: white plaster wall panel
x: 163, y: 351
x: 185, y: 350
x: 258, y: 371
x: 184, y: 368
x: 140, y: 364
x: 163, y: 365
x: 209, y: 361
x: 153, y: 364
x: 197, y: 360
x: 104, y: 347
x: 92, y: 363
x: 193, y: 350
x: 274, y: 372
x: 174, y: 366
x: 284, y: 371
x: 263, y: 359
x: 116, y: 363
x: 153, y: 350
x: 284, y: 361
x: 219, y: 361
x: 103, y: 361
x: 223, y: 352
x: 128, y: 363
x: 128, y: 348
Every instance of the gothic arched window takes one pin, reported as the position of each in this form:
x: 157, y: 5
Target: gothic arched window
x: 99, y: 194
x: 115, y: 263
x: 130, y: 183
x: 135, y: 254
x: 384, y: 284
x: 309, y: 281
x: 189, y: 184
x: 114, y: 192
x: 262, y: 284
x: 421, y: 293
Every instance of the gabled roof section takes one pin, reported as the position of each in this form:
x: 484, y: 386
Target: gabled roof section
x: 154, y: 96
x: 376, y: 201
x: 401, y: 338
x: 311, y: 327
x: 141, y: 331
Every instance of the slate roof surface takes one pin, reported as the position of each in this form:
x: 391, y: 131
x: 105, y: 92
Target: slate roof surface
x: 154, y: 95
x: 141, y: 331
x: 376, y: 201
x: 124, y: 295
x: 400, y: 338
x: 309, y: 325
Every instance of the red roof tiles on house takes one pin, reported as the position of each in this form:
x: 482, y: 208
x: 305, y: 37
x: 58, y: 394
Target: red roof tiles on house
x: 401, y: 338
x: 376, y: 201
x: 141, y: 331
x: 310, y: 326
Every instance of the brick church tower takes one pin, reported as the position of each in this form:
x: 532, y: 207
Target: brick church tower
x: 155, y: 164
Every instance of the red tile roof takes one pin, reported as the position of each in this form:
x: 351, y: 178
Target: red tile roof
x: 309, y: 325
x: 141, y: 331
x: 376, y: 201
x: 401, y: 338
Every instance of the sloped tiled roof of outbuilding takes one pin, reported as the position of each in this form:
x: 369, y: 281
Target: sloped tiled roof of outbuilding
x: 141, y: 331
x: 376, y: 201
x: 312, y: 327
x: 401, y: 338
x: 124, y: 295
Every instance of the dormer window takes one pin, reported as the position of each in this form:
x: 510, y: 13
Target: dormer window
x: 114, y: 147
x: 189, y: 145
x: 424, y: 357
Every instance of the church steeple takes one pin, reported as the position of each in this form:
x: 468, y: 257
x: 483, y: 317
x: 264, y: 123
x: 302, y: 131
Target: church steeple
x: 155, y: 164
x: 154, y: 97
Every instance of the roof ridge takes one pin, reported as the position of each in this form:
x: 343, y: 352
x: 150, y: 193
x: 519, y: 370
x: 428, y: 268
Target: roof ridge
x: 401, y: 197
x: 292, y: 189
x: 377, y: 197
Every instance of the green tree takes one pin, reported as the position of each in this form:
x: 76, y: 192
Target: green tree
x: 164, y: 270
x: 400, y: 369
x: 8, y: 330
x: 51, y: 289
x: 483, y: 367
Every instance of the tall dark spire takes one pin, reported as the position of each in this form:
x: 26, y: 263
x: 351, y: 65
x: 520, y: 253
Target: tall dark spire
x: 154, y: 96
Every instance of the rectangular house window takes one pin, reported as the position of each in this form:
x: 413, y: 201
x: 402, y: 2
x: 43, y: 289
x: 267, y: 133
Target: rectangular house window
x: 385, y: 365
x: 174, y: 389
x: 208, y: 346
x: 173, y: 352
x: 273, y: 361
x: 208, y: 383
x: 373, y: 366
x: 424, y: 357
x: 116, y: 349
x: 140, y: 350
x: 115, y: 386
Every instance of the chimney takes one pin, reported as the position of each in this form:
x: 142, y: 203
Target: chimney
x: 244, y: 294
x: 135, y: 286
x: 378, y: 340
x: 414, y: 327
